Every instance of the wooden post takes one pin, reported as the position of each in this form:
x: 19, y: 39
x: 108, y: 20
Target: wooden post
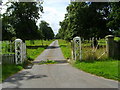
x: 110, y: 45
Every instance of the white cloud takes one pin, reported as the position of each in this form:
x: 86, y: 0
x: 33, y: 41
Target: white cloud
x: 54, y: 12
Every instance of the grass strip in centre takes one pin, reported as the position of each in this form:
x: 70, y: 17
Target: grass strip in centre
x: 48, y: 62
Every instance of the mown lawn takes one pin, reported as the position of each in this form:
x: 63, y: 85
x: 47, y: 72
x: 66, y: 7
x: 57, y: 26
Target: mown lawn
x: 104, y: 67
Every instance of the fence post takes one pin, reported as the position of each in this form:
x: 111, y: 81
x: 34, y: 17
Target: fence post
x: 110, y: 45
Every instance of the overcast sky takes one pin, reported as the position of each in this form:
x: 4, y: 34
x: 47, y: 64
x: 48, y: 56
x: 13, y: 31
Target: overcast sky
x: 54, y: 12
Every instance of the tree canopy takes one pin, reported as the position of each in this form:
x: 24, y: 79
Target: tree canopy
x: 114, y: 18
x: 20, y: 20
x: 46, y: 30
x: 89, y: 20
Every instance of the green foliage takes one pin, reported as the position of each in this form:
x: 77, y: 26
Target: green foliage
x: 10, y: 69
x: 114, y: 18
x: 20, y: 20
x: 7, y: 29
x: 6, y: 45
x: 117, y: 38
x: 90, y: 20
x: 47, y: 32
x: 106, y: 68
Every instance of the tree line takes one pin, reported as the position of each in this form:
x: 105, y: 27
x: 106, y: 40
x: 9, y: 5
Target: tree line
x: 90, y: 19
x: 19, y: 21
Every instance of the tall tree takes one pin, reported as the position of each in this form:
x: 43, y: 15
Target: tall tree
x: 85, y: 20
x: 46, y: 30
x: 114, y: 18
x: 7, y: 29
x: 24, y: 16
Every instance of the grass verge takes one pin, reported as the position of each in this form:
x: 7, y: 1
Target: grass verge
x: 10, y: 69
x: 105, y: 68
x: 66, y: 48
x: 36, y: 48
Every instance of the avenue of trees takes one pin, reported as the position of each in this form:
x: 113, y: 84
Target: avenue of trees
x: 20, y: 21
x: 90, y: 19
x: 47, y: 32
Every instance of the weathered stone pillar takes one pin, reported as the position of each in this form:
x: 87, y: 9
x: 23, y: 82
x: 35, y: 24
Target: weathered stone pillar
x: 110, y: 45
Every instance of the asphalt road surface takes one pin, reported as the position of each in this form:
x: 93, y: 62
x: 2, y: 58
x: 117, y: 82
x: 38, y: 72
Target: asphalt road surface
x: 53, y: 52
x: 61, y: 75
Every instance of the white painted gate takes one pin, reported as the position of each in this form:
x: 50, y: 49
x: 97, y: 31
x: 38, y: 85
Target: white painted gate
x: 77, y: 51
x: 20, y: 51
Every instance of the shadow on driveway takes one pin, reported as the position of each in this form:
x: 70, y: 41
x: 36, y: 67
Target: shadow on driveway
x: 52, y: 47
x: 35, y: 47
x: 17, y: 78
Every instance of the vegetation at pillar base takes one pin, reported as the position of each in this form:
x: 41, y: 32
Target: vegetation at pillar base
x: 96, y: 19
x: 114, y: 18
